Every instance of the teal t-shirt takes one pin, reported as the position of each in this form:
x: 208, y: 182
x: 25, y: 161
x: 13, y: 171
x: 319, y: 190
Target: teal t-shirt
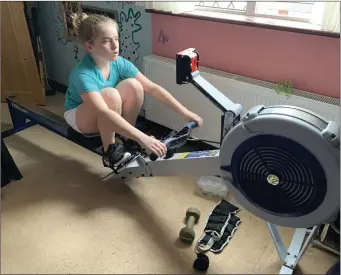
x: 86, y: 76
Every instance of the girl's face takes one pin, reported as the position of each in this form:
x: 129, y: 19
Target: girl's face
x: 106, y: 44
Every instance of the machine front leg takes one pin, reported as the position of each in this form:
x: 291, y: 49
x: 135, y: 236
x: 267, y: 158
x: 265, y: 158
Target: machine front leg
x: 298, y: 246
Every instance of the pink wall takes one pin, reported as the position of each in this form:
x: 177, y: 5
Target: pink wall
x: 311, y: 62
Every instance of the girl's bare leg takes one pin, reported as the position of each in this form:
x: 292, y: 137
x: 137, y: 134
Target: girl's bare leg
x: 132, y: 95
x: 126, y: 100
x: 89, y: 123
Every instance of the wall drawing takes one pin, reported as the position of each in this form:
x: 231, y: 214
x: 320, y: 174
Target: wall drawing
x: 63, y: 35
x: 129, y: 27
x: 59, y: 26
x: 163, y: 38
x: 75, y: 51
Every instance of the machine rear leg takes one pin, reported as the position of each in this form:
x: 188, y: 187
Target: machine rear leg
x: 9, y: 169
x: 18, y: 119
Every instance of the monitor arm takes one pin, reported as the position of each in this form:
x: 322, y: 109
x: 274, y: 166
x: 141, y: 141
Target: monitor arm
x: 187, y: 71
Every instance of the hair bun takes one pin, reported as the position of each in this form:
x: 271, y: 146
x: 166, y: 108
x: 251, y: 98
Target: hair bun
x: 77, y: 20
x: 85, y: 26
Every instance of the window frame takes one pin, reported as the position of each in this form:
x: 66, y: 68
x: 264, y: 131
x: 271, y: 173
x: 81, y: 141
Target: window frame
x: 251, y: 11
x: 248, y: 21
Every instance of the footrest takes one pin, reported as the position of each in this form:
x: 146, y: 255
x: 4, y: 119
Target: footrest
x: 118, y: 169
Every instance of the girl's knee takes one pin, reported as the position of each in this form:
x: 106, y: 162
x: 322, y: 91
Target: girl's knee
x: 133, y: 85
x: 113, y: 98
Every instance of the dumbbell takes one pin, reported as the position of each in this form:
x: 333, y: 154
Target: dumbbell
x: 187, y: 233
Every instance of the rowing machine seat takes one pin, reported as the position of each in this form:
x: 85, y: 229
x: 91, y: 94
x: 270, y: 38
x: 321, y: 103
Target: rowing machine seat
x: 90, y: 142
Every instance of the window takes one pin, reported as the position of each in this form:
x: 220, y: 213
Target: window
x: 230, y: 7
x: 289, y: 10
x: 321, y: 16
x: 302, y: 11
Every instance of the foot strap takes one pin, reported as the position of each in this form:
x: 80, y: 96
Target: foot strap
x: 122, y: 164
x: 219, y: 229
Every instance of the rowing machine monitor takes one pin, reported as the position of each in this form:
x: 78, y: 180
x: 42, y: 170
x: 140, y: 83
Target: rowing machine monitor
x: 187, y: 62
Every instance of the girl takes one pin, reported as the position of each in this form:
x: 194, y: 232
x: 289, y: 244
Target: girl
x: 106, y: 91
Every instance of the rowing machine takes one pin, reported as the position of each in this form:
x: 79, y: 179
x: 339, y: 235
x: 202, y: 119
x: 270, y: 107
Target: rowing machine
x: 281, y: 163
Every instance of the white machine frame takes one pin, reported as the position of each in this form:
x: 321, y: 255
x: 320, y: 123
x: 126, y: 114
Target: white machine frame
x: 205, y: 163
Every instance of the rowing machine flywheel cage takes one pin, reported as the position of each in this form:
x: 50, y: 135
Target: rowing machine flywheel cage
x: 282, y: 163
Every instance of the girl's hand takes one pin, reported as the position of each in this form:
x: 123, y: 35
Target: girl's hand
x: 153, y: 145
x: 190, y: 116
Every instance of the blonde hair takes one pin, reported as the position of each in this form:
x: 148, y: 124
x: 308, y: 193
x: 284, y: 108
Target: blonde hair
x: 85, y: 26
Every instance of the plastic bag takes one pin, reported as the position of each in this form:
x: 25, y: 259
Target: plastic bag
x: 212, y: 186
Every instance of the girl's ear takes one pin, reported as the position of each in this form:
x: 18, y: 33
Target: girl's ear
x: 88, y: 46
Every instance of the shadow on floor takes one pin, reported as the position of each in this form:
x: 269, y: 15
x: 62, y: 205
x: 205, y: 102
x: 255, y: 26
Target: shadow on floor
x: 85, y: 191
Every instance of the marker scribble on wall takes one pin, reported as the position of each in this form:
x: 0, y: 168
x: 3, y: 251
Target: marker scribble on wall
x: 129, y: 26
x: 163, y: 38
x: 59, y: 28
x: 59, y: 25
x: 75, y: 51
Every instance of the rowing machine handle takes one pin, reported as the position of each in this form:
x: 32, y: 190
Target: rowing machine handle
x: 190, y: 125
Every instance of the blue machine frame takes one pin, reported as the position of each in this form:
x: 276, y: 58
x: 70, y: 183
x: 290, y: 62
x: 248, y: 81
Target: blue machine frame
x: 20, y: 112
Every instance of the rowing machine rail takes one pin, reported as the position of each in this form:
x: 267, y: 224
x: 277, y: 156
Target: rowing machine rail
x: 198, y: 163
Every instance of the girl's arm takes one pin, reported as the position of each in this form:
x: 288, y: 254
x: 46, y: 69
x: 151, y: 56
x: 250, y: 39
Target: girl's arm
x: 165, y: 97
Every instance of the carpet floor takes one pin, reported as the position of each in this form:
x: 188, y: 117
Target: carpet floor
x: 61, y: 218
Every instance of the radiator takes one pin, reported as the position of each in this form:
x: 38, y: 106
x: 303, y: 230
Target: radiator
x: 246, y: 91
